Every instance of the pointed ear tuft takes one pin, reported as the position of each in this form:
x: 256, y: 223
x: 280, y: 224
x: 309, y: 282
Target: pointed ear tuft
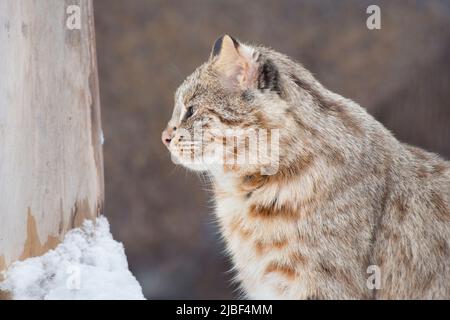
x: 226, y: 41
x: 235, y: 63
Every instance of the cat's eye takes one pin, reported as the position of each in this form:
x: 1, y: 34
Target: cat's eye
x: 189, y: 112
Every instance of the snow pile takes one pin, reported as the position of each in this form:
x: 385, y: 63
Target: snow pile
x: 88, y: 264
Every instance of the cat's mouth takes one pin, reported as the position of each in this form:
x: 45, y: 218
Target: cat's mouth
x: 196, y: 155
x: 231, y: 151
x: 186, y: 155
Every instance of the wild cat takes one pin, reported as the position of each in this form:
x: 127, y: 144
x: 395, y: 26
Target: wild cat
x: 346, y: 198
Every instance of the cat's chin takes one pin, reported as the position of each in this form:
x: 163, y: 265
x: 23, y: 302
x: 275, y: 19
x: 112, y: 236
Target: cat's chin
x: 189, y: 164
x: 194, y: 167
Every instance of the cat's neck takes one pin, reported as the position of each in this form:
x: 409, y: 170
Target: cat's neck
x: 293, y: 187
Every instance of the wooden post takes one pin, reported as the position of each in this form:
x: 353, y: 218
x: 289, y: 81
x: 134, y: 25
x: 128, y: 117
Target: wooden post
x: 51, y: 163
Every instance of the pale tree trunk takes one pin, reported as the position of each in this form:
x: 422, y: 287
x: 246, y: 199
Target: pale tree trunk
x: 51, y: 165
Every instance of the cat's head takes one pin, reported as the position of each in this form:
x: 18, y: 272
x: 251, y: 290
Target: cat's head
x: 233, y: 112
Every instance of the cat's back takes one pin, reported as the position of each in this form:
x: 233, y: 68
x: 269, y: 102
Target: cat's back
x: 413, y: 235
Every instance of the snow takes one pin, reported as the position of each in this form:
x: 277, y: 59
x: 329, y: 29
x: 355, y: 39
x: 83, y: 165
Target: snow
x: 88, y: 264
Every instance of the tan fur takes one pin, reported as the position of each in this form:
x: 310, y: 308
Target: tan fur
x: 346, y: 195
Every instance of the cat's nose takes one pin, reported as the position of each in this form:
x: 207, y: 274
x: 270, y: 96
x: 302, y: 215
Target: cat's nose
x: 167, y: 136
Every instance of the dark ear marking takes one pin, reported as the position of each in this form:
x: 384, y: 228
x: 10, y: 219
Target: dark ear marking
x: 218, y: 45
x: 269, y: 77
x: 236, y: 44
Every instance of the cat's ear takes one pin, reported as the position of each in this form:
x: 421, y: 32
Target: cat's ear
x: 235, y: 63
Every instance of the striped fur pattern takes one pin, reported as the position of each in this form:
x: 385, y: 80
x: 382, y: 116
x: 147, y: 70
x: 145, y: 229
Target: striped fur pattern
x: 347, y: 193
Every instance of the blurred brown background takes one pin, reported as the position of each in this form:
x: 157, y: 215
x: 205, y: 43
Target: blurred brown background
x: 162, y: 214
